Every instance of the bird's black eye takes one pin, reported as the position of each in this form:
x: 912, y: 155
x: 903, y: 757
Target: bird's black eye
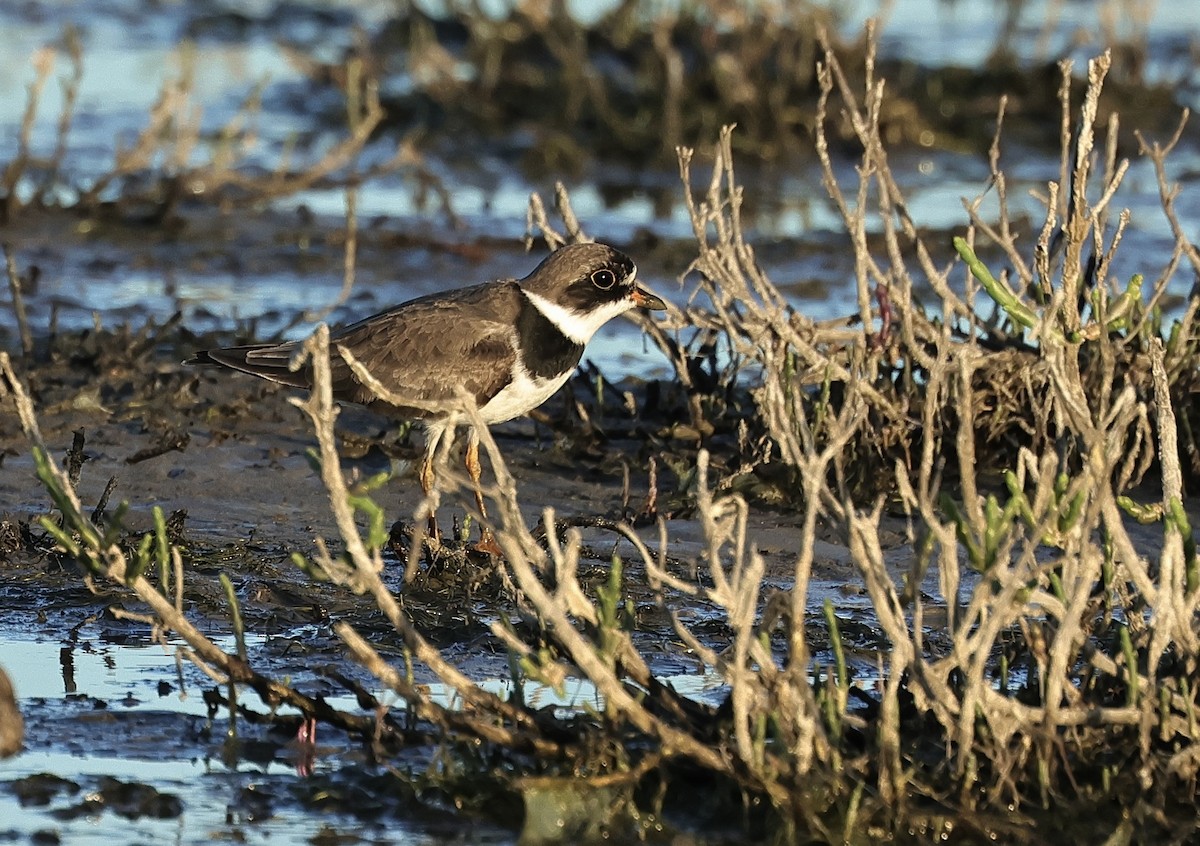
x: 604, y: 279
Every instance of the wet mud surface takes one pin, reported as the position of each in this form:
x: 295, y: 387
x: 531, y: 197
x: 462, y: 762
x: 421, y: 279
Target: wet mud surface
x: 119, y: 726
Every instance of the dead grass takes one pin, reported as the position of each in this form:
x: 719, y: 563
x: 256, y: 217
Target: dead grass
x: 634, y: 83
x: 175, y: 159
x: 1012, y: 445
x: 630, y: 87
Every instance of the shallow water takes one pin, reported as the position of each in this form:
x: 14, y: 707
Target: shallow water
x: 133, y: 711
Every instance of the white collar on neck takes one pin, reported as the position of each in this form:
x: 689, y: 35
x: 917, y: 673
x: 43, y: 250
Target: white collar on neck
x: 579, y: 326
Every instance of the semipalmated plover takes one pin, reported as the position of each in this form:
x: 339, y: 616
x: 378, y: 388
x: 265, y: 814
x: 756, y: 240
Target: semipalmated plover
x: 509, y: 344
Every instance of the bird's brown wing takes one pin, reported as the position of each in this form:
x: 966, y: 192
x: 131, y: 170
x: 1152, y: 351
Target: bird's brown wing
x: 427, y: 349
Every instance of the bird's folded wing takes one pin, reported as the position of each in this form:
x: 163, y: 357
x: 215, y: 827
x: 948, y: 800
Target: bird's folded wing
x: 432, y: 348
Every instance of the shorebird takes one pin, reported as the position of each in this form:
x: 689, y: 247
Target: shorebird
x: 509, y: 344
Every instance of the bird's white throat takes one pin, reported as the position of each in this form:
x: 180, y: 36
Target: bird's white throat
x: 579, y: 326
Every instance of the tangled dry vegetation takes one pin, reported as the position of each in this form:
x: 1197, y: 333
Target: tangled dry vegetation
x: 175, y: 159
x: 1011, y: 423
x: 642, y: 78
x: 1013, y: 435
x: 629, y: 86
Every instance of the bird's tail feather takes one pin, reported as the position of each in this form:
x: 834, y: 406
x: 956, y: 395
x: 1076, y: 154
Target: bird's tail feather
x: 267, y: 361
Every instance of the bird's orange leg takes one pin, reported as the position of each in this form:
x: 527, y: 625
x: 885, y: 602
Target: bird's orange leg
x: 487, y: 542
x: 427, y: 481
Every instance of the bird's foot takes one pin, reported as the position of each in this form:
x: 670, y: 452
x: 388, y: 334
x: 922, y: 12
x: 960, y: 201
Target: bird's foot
x: 487, y: 544
x: 403, y: 536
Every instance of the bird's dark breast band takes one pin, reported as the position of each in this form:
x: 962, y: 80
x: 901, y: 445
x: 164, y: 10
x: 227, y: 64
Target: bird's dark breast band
x: 545, y: 351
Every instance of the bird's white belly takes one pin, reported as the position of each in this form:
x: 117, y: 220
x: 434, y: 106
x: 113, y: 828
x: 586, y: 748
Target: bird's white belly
x: 520, y: 396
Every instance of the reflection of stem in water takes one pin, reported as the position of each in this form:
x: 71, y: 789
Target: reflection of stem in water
x: 66, y: 659
x: 18, y: 302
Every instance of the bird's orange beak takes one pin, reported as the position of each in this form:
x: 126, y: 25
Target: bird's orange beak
x: 644, y: 299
